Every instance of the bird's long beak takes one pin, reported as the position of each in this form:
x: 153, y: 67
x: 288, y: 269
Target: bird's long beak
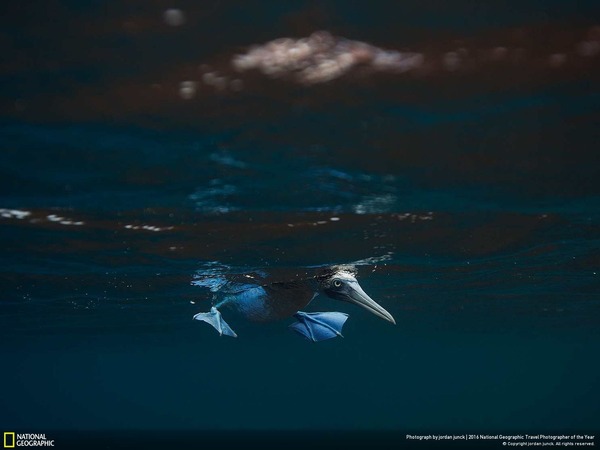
x: 359, y: 297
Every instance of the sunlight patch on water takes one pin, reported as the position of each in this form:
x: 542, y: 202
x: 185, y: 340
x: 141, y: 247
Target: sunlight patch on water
x: 53, y: 218
x: 147, y: 227
x: 373, y: 204
x: 63, y: 220
x: 13, y: 213
x: 226, y: 159
x: 302, y: 188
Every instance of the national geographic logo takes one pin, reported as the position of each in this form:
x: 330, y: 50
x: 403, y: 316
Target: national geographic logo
x: 12, y: 440
x: 9, y: 439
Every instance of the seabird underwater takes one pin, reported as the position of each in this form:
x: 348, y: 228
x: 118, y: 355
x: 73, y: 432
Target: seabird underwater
x: 257, y: 297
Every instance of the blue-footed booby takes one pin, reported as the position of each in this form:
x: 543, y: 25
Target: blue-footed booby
x: 260, y: 297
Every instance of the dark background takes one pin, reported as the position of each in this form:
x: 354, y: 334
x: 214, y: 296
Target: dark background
x: 480, y: 185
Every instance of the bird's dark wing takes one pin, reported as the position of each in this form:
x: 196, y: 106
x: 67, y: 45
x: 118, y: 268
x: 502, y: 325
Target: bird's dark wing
x: 319, y: 326
x: 285, y: 298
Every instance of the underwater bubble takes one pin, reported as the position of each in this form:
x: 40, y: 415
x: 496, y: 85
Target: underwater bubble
x: 187, y: 89
x: 499, y: 53
x: 174, y: 17
x: 557, y: 59
x: 588, y: 48
x: 451, y: 61
x: 208, y: 78
x: 220, y: 83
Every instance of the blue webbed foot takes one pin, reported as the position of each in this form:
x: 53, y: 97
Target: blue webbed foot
x: 214, y: 318
x: 319, y: 326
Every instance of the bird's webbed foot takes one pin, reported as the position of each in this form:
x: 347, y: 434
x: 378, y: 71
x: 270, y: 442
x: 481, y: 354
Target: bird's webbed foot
x: 215, y: 319
x: 319, y: 326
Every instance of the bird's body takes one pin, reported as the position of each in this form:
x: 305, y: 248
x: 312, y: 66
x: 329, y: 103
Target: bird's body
x: 259, y: 296
x: 269, y: 302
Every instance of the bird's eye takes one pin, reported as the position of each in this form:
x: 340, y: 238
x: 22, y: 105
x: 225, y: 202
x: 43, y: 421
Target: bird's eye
x: 337, y: 283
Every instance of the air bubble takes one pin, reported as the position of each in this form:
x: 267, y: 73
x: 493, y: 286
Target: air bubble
x: 187, y: 89
x: 174, y: 17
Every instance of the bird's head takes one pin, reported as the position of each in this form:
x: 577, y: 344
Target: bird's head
x: 339, y: 283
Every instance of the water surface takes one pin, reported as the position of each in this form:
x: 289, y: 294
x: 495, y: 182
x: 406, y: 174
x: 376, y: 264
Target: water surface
x: 474, y: 214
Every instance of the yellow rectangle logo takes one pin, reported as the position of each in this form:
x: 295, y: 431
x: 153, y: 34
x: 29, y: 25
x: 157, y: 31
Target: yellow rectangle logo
x: 9, y: 439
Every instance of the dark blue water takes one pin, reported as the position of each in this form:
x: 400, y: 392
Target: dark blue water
x: 473, y: 213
